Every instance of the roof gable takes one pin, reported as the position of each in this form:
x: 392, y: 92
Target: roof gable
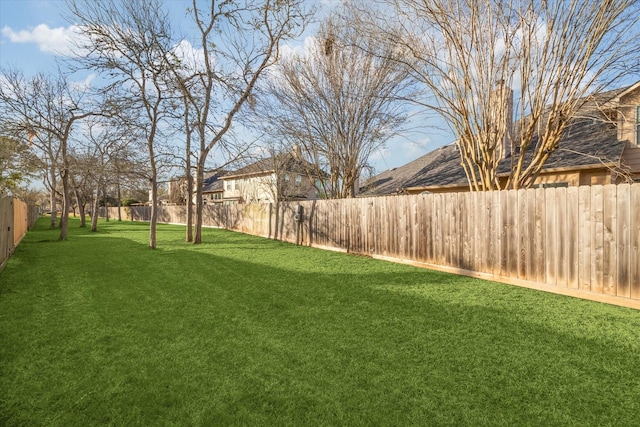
x: 287, y: 162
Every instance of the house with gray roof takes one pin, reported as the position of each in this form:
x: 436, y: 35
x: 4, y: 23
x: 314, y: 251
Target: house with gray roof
x: 282, y: 176
x: 601, y: 145
x: 213, y: 189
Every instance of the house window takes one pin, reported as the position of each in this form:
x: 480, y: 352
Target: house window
x: 298, y: 179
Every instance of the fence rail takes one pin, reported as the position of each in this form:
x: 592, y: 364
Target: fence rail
x: 16, y: 217
x: 585, y: 238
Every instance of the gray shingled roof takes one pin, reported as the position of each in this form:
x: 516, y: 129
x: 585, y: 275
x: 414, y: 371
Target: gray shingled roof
x: 587, y: 141
x: 284, y: 162
x: 213, y: 184
x: 440, y: 167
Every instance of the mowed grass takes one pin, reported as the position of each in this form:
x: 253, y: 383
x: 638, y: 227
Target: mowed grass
x: 101, y: 330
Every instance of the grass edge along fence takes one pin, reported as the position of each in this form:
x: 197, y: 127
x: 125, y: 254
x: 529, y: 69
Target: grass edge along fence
x: 16, y: 218
x: 580, y: 241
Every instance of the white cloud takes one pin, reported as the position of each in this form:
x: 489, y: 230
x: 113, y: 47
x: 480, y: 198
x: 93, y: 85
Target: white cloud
x: 59, y: 41
x: 190, y: 56
x: 84, y: 84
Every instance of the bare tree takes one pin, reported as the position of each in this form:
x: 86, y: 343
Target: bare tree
x: 129, y: 41
x: 44, y: 110
x: 488, y: 62
x: 98, y: 164
x: 339, y: 102
x: 237, y: 41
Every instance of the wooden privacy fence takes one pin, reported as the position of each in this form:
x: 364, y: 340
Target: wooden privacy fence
x: 586, y: 239
x: 16, y: 217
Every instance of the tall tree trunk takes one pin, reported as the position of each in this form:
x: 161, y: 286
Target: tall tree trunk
x: 82, y: 213
x: 119, y: 201
x: 189, y: 236
x: 80, y: 203
x: 54, y: 202
x: 64, y: 217
x: 94, y: 212
x: 153, y: 221
x: 106, y: 204
x: 154, y: 212
x: 199, y: 208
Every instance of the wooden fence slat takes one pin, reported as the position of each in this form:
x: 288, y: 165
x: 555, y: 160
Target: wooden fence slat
x: 531, y: 261
x: 623, y: 232
x: 466, y: 221
x: 437, y: 224
x: 484, y: 200
x: 610, y: 246
x: 430, y: 233
x: 550, y: 235
x: 634, y: 228
x: 584, y: 238
x: 571, y: 236
x: 492, y: 223
x: 523, y: 234
x: 561, y: 236
x: 504, y: 233
x: 476, y: 236
x: 597, y: 238
x: 539, y: 236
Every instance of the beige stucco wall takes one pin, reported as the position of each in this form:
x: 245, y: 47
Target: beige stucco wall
x: 262, y: 188
x: 627, y: 117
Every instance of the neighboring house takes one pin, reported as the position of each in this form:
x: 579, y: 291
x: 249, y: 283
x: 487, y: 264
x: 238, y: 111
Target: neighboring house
x: 600, y: 146
x: 280, y: 177
x: 213, y: 189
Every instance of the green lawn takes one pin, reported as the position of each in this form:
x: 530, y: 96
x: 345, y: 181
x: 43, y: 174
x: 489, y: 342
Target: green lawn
x: 101, y: 330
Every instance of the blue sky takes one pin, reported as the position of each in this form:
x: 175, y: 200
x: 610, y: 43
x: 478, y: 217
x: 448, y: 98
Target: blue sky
x: 33, y: 33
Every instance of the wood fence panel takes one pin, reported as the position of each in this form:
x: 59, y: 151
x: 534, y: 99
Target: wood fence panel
x: 561, y: 236
x: 584, y: 238
x: 530, y: 253
x: 414, y: 226
x: 494, y: 233
x: 610, y: 246
x: 20, y: 221
x: 512, y: 234
x: 597, y: 238
x: 429, y: 230
x: 466, y: 223
x: 540, y: 248
x: 523, y: 237
x: 448, y: 223
x: 437, y: 229
x: 474, y: 232
x: 634, y: 228
x: 572, y: 234
x: 404, y: 224
x: 6, y: 228
x: 483, y: 229
x: 551, y: 258
x: 16, y: 218
x: 623, y: 231
x: 358, y: 231
x: 504, y: 232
